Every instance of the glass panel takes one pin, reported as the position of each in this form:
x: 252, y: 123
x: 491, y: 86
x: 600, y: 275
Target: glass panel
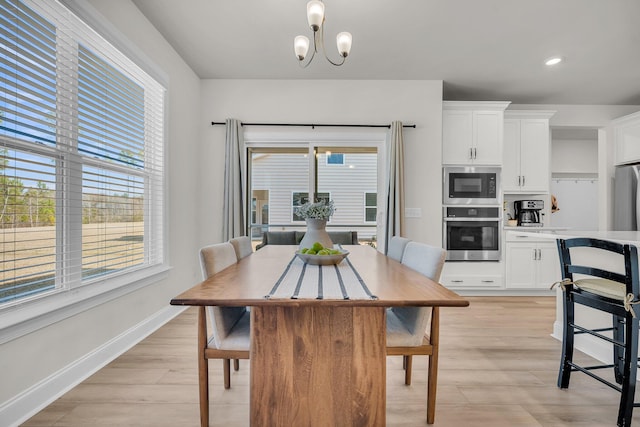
x: 279, y: 180
x: 113, y: 221
x: 27, y: 75
x: 27, y: 224
x: 335, y: 159
x: 106, y: 96
x: 353, y: 189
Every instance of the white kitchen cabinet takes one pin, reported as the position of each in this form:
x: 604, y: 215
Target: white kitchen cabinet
x: 531, y: 264
x: 626, y: 132
x: 526, y: 163
x: 472, y: 132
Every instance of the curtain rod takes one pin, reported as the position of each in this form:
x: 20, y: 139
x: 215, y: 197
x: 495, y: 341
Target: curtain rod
x: 313, y: 126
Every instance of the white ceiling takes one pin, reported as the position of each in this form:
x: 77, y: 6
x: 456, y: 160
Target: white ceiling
x: 481, y: 49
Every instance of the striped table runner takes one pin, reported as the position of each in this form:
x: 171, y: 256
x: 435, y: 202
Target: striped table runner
x: 306, y: 281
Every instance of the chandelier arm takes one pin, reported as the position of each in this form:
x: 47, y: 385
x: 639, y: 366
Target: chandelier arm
x: 324, y: 51
x: 310, y: 57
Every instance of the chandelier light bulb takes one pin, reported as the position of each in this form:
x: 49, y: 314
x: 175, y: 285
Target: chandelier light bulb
x: 301, y: 47
x: 344, y: 43
x: 315, y: 14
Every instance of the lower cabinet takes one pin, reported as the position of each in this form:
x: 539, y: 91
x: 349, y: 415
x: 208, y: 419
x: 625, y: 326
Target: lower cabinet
x: 531, y: 264
x: 472, y: 275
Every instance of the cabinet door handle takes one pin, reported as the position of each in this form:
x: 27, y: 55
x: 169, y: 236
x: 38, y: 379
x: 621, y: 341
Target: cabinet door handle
x: 470, y: 153
x: 457, y: 281
x: 523, y: 177
x: 539, y: 254
x: 519, y: 180
x: 475, y: 153
x: 487, y: 281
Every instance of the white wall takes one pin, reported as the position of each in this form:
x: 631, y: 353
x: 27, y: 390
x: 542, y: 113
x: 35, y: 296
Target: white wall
x: 331, y: 101
x: 31, y: 359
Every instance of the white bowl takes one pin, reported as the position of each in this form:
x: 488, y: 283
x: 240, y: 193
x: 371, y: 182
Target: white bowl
x: 322, y: 259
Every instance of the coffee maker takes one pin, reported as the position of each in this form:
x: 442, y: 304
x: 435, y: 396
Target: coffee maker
x: 528, y: 212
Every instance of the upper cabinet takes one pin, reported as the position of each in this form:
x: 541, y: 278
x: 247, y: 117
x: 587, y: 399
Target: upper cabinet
x: 526, y: 161
x: 472, y: 132
x: 627, y: 137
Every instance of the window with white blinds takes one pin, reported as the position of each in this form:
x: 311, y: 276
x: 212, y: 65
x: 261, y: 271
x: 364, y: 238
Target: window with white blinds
x: 81, y: 156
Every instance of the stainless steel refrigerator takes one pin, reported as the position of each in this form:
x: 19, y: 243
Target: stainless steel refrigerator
x: 625, y: 198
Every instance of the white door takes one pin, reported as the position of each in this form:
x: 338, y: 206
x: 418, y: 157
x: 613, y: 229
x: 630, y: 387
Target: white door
x: 487, y: 134
x: 548, y: 265
x: 534, y: 154
x: 521, y: 265
x: 457, y: 130
x: 511, y: 158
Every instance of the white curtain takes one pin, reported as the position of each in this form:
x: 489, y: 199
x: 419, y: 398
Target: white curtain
x: 233, y: 210
x: 395, y: 188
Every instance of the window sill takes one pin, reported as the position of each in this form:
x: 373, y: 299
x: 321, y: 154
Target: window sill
x: 27, y: 317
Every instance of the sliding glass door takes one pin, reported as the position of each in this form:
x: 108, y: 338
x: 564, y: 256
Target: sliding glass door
x: 282, y: 178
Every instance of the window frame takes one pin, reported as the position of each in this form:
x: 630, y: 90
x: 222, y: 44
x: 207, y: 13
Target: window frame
x: 264, y: 139
x: 26, y: 315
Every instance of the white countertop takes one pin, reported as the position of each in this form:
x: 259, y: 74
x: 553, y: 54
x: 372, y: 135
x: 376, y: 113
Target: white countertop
x: 630, y: 237
x: 534, y: 229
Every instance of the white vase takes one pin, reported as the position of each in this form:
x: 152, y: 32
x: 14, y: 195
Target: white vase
x: 316, y: 232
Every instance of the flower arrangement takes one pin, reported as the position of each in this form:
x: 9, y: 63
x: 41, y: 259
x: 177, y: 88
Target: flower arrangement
x: 317, y: 210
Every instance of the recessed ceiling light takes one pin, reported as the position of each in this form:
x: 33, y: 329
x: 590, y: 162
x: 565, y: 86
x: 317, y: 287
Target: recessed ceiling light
x: 553, y: 60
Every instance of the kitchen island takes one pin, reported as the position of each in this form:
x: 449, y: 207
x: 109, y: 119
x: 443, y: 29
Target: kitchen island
x: 584, y: 315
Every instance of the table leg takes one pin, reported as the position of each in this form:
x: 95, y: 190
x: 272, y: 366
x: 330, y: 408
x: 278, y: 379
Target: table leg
x: 203, y: 367
x: 318, y: 366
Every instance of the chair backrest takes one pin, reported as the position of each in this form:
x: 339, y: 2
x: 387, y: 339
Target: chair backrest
x: 396, y: 247
x: 278, y: 238
x: 344, y: 237
x: 242, y: 246
x: 625, y: 274
x: 213, y: 259
x: 427, y: 260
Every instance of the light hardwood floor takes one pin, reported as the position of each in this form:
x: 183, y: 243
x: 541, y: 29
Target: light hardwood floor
x: 498, y: 367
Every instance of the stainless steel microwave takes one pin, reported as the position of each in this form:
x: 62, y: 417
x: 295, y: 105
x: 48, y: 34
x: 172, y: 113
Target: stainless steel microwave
x: 471, y: 185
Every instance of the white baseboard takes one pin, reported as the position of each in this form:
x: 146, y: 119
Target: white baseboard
x: 31, y: 401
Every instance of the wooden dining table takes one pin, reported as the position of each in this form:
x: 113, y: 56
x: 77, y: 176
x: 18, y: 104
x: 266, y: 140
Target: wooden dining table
x: 317, y: 362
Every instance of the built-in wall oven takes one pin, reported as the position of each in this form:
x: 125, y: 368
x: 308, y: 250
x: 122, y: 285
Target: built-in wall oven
x: 471, y: 185
x: 472, y: 233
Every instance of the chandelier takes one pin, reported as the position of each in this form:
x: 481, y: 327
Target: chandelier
x: 315, y: 17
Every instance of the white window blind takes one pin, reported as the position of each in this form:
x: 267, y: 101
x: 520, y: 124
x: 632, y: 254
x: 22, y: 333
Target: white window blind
x: 81, y: 155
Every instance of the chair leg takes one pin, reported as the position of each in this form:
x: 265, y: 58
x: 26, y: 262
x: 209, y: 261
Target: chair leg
x: 236, y: 365
x: 564, y: 374
x: 226, y: 365
x: 630, y: 372
x: 404, y: 362
x: 432, y: 381
x: 618, y: 352
x: 408, y: 362
x: 203, y: 368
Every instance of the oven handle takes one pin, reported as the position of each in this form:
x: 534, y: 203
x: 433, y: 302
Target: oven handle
x: 471, y: 219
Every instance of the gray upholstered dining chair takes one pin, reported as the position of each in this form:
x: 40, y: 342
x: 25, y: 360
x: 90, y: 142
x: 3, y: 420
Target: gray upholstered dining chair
x: 406, y: 326
x: 230, y: 325
x: 278, y: 238
x: 396, y: 247
x: 242, y: 246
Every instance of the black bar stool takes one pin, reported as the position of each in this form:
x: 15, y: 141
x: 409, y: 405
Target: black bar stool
x: 611, y: 292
